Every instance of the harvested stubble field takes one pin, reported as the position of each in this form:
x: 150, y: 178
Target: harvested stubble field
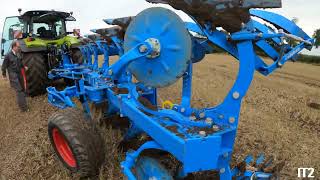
x: 280, y: 117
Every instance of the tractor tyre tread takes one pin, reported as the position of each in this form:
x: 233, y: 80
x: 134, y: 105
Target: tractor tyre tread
x: 84, y: 139
x: 36, y: 75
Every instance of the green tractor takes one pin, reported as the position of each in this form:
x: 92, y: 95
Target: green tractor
x: 41, y: 35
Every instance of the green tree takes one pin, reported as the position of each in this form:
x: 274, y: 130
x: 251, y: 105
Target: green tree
x: 316, y: 35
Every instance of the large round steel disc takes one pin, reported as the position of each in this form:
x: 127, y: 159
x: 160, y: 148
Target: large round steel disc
x: 175, y: 43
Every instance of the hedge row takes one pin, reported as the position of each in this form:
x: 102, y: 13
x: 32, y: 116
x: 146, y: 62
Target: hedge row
x: 309, y: 59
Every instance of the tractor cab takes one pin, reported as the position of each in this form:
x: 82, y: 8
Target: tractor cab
x: 42, y: 36
x: 44, y: 25
x: 48, y: 25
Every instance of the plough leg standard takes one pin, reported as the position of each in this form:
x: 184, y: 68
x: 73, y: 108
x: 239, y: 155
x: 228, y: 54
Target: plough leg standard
x: 158, y: 48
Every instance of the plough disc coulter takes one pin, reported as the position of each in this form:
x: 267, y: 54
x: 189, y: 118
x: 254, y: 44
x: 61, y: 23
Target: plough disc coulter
x: 158, y: 48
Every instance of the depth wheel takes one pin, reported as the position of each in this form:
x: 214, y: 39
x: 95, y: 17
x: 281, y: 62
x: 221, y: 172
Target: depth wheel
x: 77, y: 142
x: 148, y: 168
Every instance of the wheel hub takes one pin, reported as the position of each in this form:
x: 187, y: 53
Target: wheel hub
x: 156, y: 48
x: 63, y: 148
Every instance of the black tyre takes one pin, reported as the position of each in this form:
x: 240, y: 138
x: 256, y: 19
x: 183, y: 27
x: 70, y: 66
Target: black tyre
x: 77, y: 56
x: 77, y: 142
x: 36, y: 77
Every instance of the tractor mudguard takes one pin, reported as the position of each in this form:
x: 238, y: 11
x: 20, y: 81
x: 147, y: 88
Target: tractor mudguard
x: 39, y: 45
x: 26, y: 49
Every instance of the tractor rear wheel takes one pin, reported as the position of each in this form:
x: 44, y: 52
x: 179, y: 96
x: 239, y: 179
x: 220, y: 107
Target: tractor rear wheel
x: 77, y: 142
x: 35, y: 78
x: 77, y: 56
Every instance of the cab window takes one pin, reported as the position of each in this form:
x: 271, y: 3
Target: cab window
x: 40, y: 27
x: 48, y: 29
x: 11, y: 25
x: 59, y: 28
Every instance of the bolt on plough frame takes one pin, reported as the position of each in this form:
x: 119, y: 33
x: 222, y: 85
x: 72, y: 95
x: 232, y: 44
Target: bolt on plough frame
x: 157, y: 48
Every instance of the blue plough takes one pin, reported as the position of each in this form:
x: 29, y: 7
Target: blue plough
x: 157, y: 48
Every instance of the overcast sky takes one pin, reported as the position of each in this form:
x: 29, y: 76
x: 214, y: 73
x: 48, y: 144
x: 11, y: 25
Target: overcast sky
x: 89, y: 14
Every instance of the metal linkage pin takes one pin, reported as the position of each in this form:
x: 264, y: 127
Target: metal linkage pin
x: 202, y: 114
x: 236, y: 95
x: 209, y: 121
x: 215, y: 128
x: 202, y: 133
x: 232, y: 120
x: 222, y: 170
x: 143, y: 49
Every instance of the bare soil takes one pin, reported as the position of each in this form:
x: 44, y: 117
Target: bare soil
x: 280, y: 117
